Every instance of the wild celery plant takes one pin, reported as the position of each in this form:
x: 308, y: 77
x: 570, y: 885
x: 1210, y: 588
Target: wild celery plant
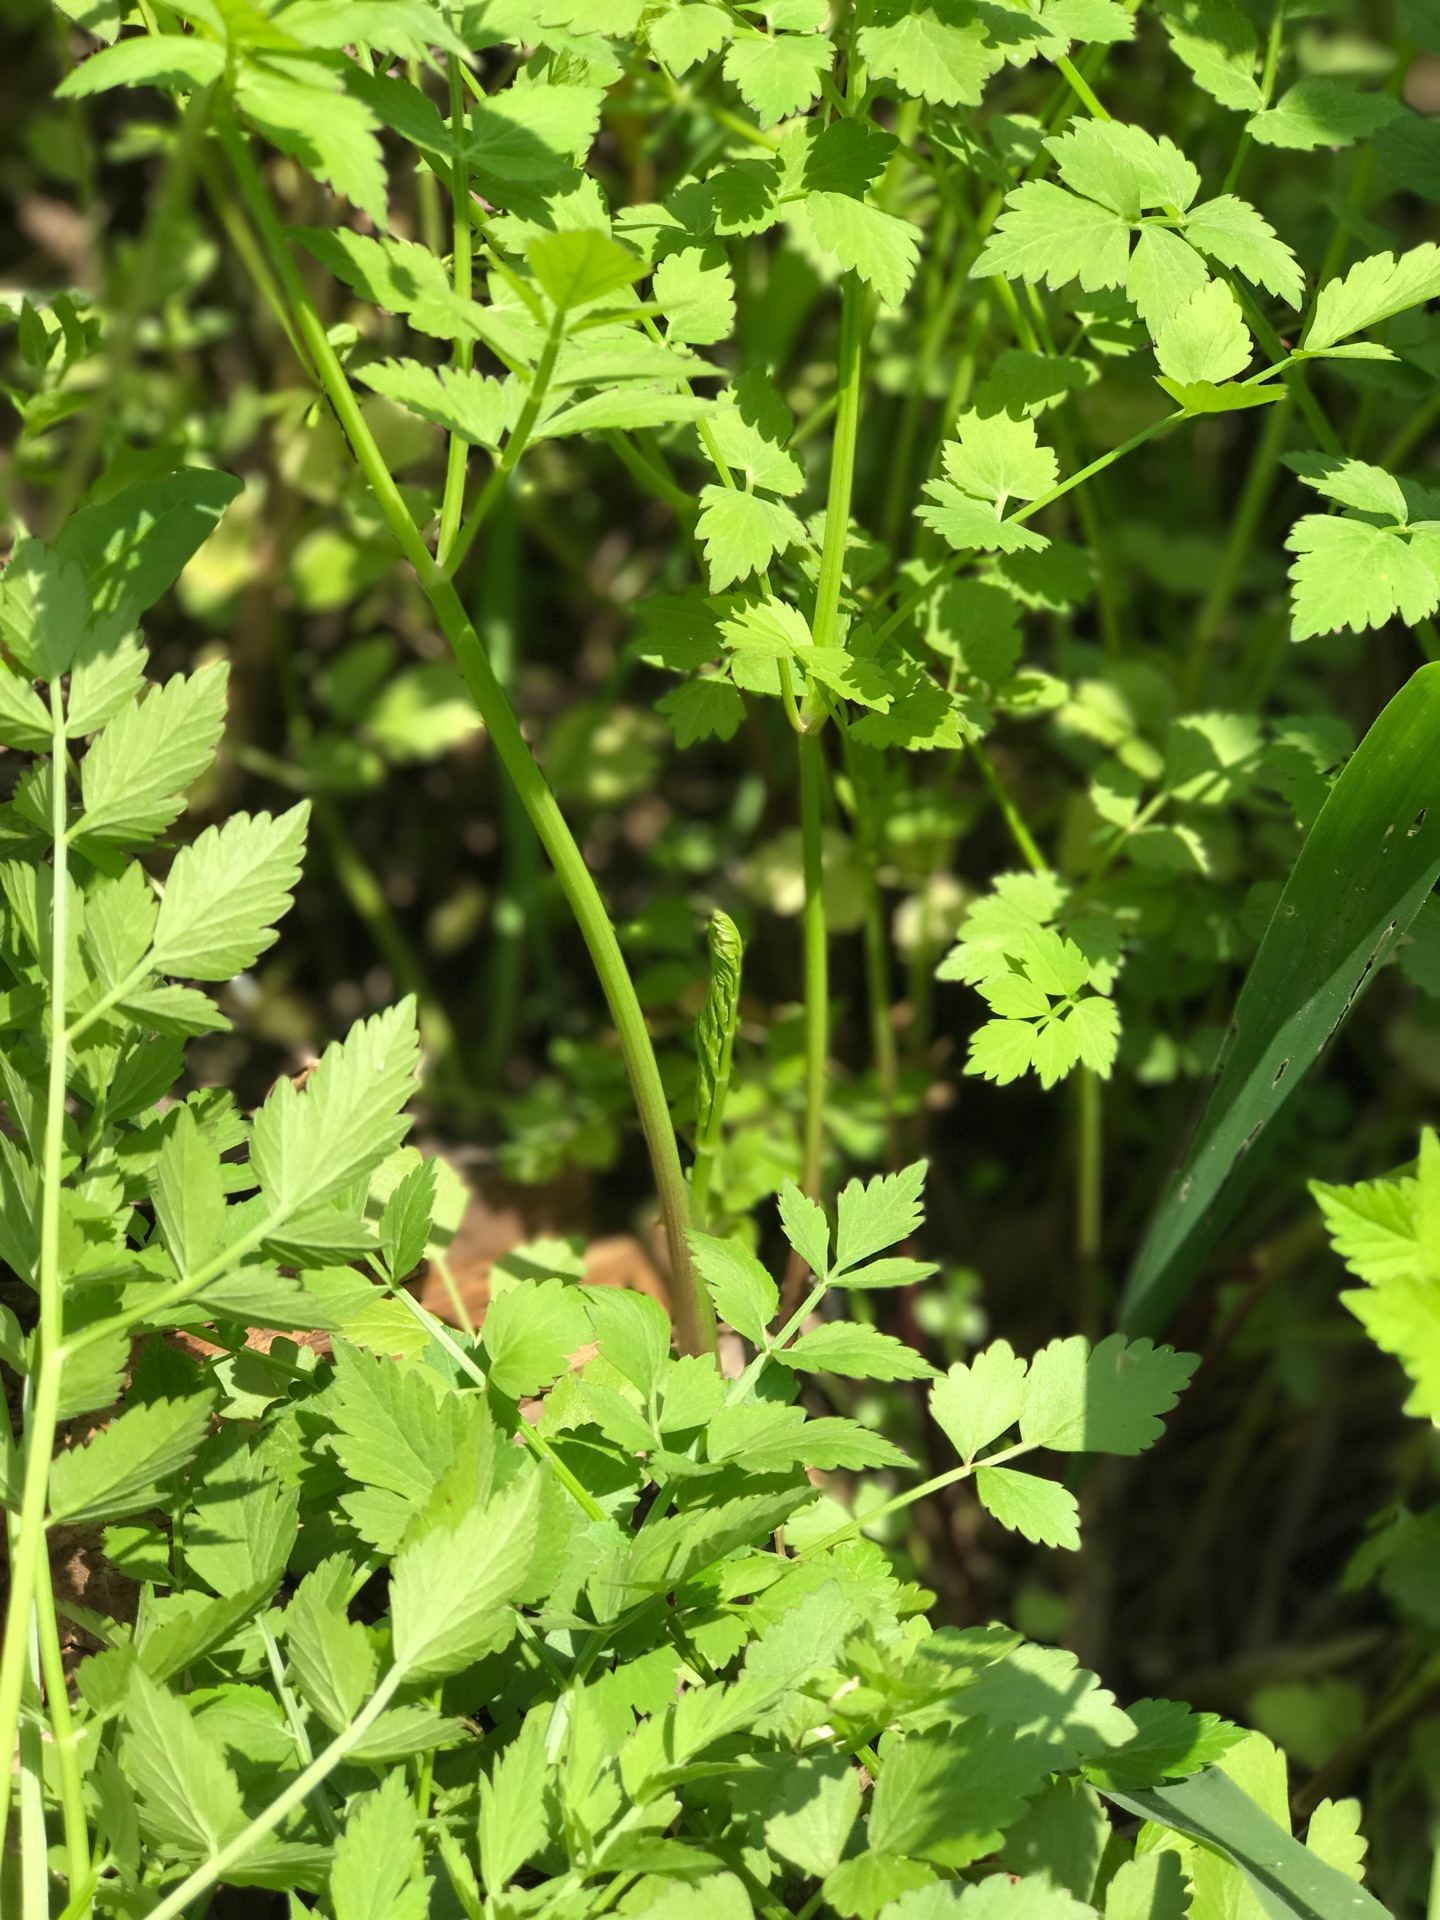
x: 584, y: 1672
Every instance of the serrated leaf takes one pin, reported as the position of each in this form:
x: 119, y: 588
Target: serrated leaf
x: 1047, y: 235
x: 806, y: 1227
x: 330, y: 1657
x: 946, y: 1795
x: 150, y: 60
x: 938, y: 52
x: 1231, y: 231
x: 1041, y: 1510
x: 745, y: 1296
x: 133, y: 778
x: 399, y: 276
x: 1374, y: 289
x: 999, y: 459
x: 1321, y: 112
x: 529, y: 1334
x: 405, y: 1220
x: 778, y: 76
x: 1169, y: 1743
x: 1123, y: 167
x: 689, y: 34
x: 696, y: 296
x: 701, y: 708
x: 132, y: 1463
x: 1217, y: 42
x: 1204, y: 338
x: 742, y: 533
x: 966, y: 522
x: 883, y: 1211
x: 189, y: 1191
x: 973, y: 1405
x: 331, y: 133
x: 225, y: 892
x: 513, y: 1822
x: 576, y: 268
x: 450, y: 1588
x: 1002, y: 1050
x: 855, y: 1351
x: 374, y: 1857
x: 1108, y: 1400
x: 1164, y: 272
x: 188, y: 1796
x: 477, y: 407
x: 308, y: 1145
x: 881, y: 248
x: 1348, y: 573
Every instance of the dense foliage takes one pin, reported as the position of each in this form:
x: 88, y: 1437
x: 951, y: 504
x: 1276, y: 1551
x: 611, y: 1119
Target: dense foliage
x: 767, y: 544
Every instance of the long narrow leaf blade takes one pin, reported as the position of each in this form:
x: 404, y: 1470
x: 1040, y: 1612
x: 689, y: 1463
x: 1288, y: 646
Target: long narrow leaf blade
x: 1372, y: 857
x: 1290, y: 1882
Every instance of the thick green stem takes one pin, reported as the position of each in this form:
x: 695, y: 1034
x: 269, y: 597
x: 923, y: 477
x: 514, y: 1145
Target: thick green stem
x: 29, y: 1540
x: 694, y: 1316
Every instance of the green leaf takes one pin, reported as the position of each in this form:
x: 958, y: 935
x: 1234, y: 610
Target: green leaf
x: 806, y: 1228
x: 1334, y: 1834
x: 1342, y: 909
x: 1169, y: 1743
x: 779, y: 76
x: 1348, y: 573
x: 1150, y: 1887
x: 973, y: 1405
x: 1123, y: 167
x: 514, y: 1826
x: 1285, y: 1877
x: 1164, y: 272
x: 331, y: 1658
x: 877, y: 1215
x: 939, y: 52
x: 308, y: 1145
x: 373, y: 1862
x: 189, y: 1191
x: 133, y: 778
x: 1353, y: 483
x: 966, y: 522
x: 1203, y: 396
x: 946, y: 1796
x: 696, y: 294
x: 1374, y: 289
x: 576, y: 268
x: 530, y: 1332
x: 623, y: 411
x: 1041, y: 1510
x: 1320, y: 112
x: 745, y: 1296
x: 1106, y: 1401
x: 405, y: 1220
x: 878, y: 246
x: 241, y: 1528
x: 331, y: 133
x: 400, y: 276
x: 856, y: 1351
x: 701, y: 708
x: 999, y: 459
x: 1002, y: 1050
x: 450, y: 1588
x: 225, y: 892
x: 689, y: 34
x: 1047, y: 235
x: 742, y: 533
x: 1229, y: 230
x: 132, y: 1463
x: 189, y: 1798
x: 1217, y: 42
x: 1205, y: 338
x: 150, y: 60
x: 633, y: 1334
x: 478, y: 408
x: 816, y: 1805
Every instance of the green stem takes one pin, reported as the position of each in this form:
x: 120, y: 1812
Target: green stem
x: 1254, y: 494
x: 848, y: 394
x: 1019, y: 832
x: 453, y: 503
x: 817, y: 958
x: 62, y: 1728
x: 906, y: 1499
x: 204, y: 1877
x: 694, y: 1316
x: 1082, y: 89
x: 1089, y: 1195
x: 519, y: 439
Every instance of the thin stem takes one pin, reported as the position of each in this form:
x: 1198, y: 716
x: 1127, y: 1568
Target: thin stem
x: 907, y: 1499
x: 29, y: 1542
x: 848, y: 394
x: 453, y: 503
x: 1254, y: 494
x: 1082, y: 89
x: 694, y: 1316
x: 817, y: 958
x: 519, y: 439
x: 1019, y: 832
x: 204, y: 1877
x: 62, y: 1728
x: 1089, y: 1194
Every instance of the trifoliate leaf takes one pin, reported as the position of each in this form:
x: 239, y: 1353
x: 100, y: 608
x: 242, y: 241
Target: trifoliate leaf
x: 1231, y: 231
x: 1045, y: 234
x: 1106, y: 1401
x: 778, y: 75
x: 448, y: 1591
x: 1320, y: 112
x: 1374, y: 289
x: 878, y: 1214
x: 225, y: 892
x: 938, y: 52
x: 1351, y: 574
x: 857, y: 1351
x: 975, y: 1404
x: 745, y: 1296
x: 1041, y: 1510
x: 742, y: 533
x: 1124, y: 168
x: 129, y: 1465
x: 880, y: 247
x: 1205, y: 338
